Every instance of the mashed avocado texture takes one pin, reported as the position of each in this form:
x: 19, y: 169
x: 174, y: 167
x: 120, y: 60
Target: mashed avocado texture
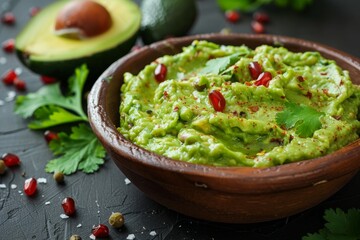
x: 235, y: 106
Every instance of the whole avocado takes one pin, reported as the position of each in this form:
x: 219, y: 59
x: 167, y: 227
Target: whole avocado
x: 166, y: 18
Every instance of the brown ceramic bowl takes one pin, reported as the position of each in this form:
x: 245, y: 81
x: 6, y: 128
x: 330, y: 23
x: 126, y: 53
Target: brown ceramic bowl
x: 222, y: 194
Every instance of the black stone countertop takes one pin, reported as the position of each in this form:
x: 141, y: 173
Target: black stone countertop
x: 331, y: 22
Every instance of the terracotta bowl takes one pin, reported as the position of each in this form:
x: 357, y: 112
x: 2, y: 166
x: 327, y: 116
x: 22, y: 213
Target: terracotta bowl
x: 222, y: 194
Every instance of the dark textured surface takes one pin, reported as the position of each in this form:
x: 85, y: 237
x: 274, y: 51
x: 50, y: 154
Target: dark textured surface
x: 330, y: 22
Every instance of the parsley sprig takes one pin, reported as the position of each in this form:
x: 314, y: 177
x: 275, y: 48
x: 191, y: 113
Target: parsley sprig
x: 79, y: 150
x: 339, y: 225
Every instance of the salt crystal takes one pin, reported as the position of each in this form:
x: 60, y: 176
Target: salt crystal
x: 2, y: 103
x: 19, y: 191
x: 79, y: 225
x: 2, y: 60
x: 2, y: 185
x: 130, y: 237
x: 18, y: 71
x: 153, y: 233
x: 10, y: 96
x: 127, y: 181
x: 47, y: 203
x: 13, y: 186
x: 42, y: 180
x: 64, y: 216
x: 92, y: 236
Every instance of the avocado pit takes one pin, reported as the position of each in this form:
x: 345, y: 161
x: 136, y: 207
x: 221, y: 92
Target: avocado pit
x: 82, y: 19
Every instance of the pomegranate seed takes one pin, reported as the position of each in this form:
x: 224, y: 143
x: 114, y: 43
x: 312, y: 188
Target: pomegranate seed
x: 49, y: 136
x: 217, y: 100
x: 33, y: 11
x: 9, y: 45
x: 160, y: 72
x: 100, y: 231
x: 10, y: 159
x: 263, y: 79
x: 9, y: 77
x: 261, y: 17
x: 30, y: 186
x: 68, y: 204
x: 232, y: 16
x: 19, y: 84
x: 257, y: 27
x: 255, y: 69
x: 47, y: 79
x: 8, y: 18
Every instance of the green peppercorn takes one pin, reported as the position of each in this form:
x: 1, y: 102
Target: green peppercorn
x: 116, y: 220
x: 75, y: 237
x: 58, y: 177
x: 2, y: 167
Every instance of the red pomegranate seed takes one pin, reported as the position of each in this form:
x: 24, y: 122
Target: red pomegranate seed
x: 30, y: 186
x: 9, y: 45
x: 217, y: 100
x: 49, y: 136
x: 100, y: 231
x: 255, y: 69
x: 9, y: 77
x: 8, y: 18
x: 261, y: 17
x: 160, y: 72
x: 257, y: 27
x: 263, y: 79
x: 19, y: 84
x: 47, y: 79
x: 68, y: 204
x: 232, y: 16
x: 10, y: 159
x: 33, y: 11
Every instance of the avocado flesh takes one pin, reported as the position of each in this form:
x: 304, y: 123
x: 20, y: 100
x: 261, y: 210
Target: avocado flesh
x: 44, y: 52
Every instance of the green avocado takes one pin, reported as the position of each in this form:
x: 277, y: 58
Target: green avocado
x: 166, y: 18
x: 44, y: 52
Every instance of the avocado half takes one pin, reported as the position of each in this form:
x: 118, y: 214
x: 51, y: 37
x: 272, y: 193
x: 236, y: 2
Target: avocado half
x: 45, y: 53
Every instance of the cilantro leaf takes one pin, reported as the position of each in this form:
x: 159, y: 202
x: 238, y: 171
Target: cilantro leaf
x: 340, y: 226
x: 26, y: 105
x: 80, y: 150
x: 306, y: 120
x: 341, y: 223
x: 218, y: 65
x: 49, y: 116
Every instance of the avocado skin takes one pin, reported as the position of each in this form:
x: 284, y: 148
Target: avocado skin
x: 161, y: 19
x: 62, y: 70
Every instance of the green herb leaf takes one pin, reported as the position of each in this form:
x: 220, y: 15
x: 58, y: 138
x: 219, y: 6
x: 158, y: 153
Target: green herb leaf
x: 340, y: 226
x: 49, y: 116
x: 306, y: 120
x: 218, y: 65
x: 80, y: 150
x: 26, y: 105
x: 343, y: 224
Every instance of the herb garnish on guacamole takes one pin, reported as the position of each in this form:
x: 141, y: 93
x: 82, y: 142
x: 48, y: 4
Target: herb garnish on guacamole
x: 234, y: 106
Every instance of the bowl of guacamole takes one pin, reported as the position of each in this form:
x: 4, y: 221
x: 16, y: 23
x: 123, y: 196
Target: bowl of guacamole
x: 232, y: 128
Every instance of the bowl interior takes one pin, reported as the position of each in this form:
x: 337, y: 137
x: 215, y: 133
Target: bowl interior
x: 107, y: 91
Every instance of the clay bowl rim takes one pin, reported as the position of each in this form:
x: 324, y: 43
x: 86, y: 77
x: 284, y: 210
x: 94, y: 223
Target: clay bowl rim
x: 249, y: 180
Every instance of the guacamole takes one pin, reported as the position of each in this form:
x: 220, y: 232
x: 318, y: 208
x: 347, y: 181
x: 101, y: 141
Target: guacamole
x: 236, y: 106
